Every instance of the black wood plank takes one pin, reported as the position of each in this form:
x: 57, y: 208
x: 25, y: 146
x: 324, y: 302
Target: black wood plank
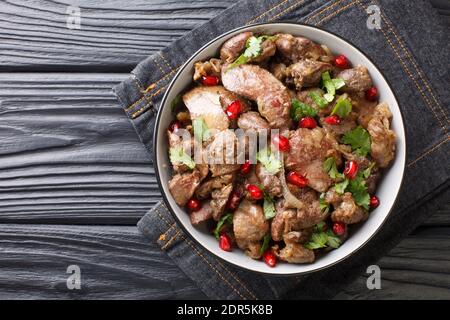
x: 418, y: 268
x: 113, y: 35
x: 68, y: 152
x: 115, y: 263
x: 69, y: 155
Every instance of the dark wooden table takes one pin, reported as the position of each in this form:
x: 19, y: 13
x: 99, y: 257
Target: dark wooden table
x: 74, y: 179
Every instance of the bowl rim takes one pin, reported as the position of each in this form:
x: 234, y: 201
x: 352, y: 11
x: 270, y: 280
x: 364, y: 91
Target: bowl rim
x: 156, y: 165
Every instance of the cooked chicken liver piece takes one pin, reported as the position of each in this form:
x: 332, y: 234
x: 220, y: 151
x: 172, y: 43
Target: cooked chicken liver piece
x: 298, y: 48
x: 182, y: 186
x: 219, y: 200
x: 249, y: 226
x: 347, y: 211
x: 306, y: 73
x: 383, y: 138
x: 204, y: 102
x: 309, y: 149
x: 356, y: 79
x: 294, y: 252
x: 234, y: 46
x: 253, y: 121
x: 270, y: 182
x: 207, y: 187
x: 205, y: 213
x: 258, y: 84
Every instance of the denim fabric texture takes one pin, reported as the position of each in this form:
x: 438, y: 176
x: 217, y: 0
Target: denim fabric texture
x: 411, y: 49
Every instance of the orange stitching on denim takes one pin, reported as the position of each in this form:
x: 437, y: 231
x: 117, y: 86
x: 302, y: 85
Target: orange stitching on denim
x: 419, y: 71
x: 287, y: 10
x: 153, y: 85
x: 323, y: 10
x: 435, y: 147
x: 159, y: 67
x: 141, y: 110
x: 164, y: 247
x: 235, y: 277
x: 200, y: 255
x: 171, y: 227
x: 334, y: 13
x: 165, y: 61
x: 266, y: 12
x: 425, y: 98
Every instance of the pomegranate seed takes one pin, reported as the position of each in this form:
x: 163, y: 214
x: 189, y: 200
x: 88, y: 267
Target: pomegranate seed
x: 245, y: 167
x: 210, y: 81
x: 193, y: 204
x: 297, y: 179
x: 341, y: 61
x: 254, y: 191
x: 174, y: 126
x: 234, y: 109
x: 374, y: 202
x: 233, y: 201
x: 270, y: 258
x: 372, y: 94
x: 339, y: 228
x: 282, y: 143
x: 351, y: 169
x: 307, y: 122
x: 225, y: 242
x: 333, y: 120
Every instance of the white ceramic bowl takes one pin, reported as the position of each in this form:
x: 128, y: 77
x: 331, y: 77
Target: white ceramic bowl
x: 387, y: 190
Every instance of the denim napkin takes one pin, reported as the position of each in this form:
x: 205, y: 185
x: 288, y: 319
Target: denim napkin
x: 412, y: 50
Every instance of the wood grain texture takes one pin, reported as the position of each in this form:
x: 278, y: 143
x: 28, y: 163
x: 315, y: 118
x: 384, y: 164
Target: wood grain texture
x: 114, y: 36
x: 418, y: 268
x: 115, y: 263
x: 69, y: 156
x: 68, y: 152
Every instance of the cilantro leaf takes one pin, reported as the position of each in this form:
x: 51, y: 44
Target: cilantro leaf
x: 333, y: 241
x: 331, y: 85
x: 269, y: 160
x: 201, y: 131
x: 320, y: 101
x: 175, y: 102
x: 265, y: 244
x: 239, y: 60
x: 341, y: 186
x: 253, y: 49
x: 317, y: 241
x: 322, y: 239
x: 300, y: 110
x: 330, y: 167
x: 269, y: 207
x: 338, y: 83
x: 225, y: 219
x: 342, y: 108
x: 324, y: 206
x: 366, y: 173
x: 359, y: 192
x: 359, y: 140
x: 177, y: 154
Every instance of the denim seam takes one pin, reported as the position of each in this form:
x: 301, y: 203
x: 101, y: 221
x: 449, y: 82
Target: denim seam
x: 200, y: 255
x: 408, y: 71
x: 411, y: 58
x: 326, y: 8
x: 169, y: 242
x: 235, y: 277
x: 155, y: 84
x: 432, y: 149
x: 266, y: 12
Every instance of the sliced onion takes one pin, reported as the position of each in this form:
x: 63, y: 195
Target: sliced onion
x: 290, y: 200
